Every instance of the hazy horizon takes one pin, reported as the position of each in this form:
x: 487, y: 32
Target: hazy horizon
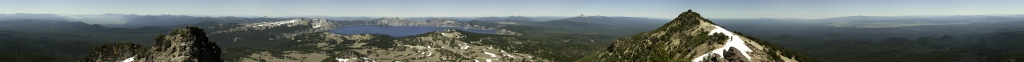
x: 656, y: 9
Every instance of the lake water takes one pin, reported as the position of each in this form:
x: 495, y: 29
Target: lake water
x: 399, y: 31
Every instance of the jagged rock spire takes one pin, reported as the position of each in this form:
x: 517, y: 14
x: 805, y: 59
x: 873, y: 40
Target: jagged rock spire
x: 188, y: 44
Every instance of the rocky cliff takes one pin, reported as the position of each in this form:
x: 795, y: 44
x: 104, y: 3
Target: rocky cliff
x: 188, y: 44
x: 113, y: 52
x: 692, y: 38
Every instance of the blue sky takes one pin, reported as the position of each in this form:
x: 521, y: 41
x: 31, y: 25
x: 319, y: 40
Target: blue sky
x: 474, y: 8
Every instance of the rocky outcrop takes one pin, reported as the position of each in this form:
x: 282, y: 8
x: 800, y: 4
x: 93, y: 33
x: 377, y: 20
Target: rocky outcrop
x: 113, y: 52
x: 188, y: 44
x: 691, y: 37
x: 731, y: 55
x: 320, y: 22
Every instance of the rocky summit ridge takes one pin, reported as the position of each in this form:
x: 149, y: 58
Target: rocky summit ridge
x: 188, y: 44
x: 692, y: 38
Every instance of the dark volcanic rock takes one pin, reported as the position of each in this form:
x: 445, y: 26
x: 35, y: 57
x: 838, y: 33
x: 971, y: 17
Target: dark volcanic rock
x: 113, y: 52
x: 731, y: 55
x: 189, y: 44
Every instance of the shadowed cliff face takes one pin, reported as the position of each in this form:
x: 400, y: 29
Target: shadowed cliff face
x: 690, y: 37
x: 113, y: 52
x: 188, y: 44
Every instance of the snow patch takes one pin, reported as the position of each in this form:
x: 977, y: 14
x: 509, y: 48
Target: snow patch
x: 130, y: 59
x: 510, y: 56
x: 465, y: 47
x: 506, y: 54
x: 489, y: 53
x: 341, y: 60
x: 430, y: 54
x: 733, y: 42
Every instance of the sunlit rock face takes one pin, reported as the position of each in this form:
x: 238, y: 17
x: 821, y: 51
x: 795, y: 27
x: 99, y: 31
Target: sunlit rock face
x: 691, y: 38
x: 189, y: 44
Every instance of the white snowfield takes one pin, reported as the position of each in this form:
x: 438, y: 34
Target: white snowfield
x: 733, y: 42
